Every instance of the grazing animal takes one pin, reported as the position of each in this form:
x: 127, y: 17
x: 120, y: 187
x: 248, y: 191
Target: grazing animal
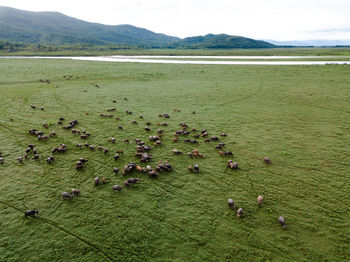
x: 282, y: 222
x: 267, y: 160
x: 1, y: 160
x: 153, y: 174
x: 33, y: 106
x: 196, y: 168
x: 230, y: 203
x: 175, y: 139
x: 66, y: 195
x: 147, y: 128
x: 177, y: 152
x: 140, y: 116
x: 223, y: 134
x: 193, y: 112
x: 239, y: 212
x: 35, y: 157
x: 20, y: 159
x: 75, y: 192
x: 232, y: 165
x: 31, y: 213
x: 104, y: 180
x: 116, y: 188
x: 50, y: 159
x: 97, y: 181
x: 226, y: 153
x: 116, y: 170
x: 116, y: 157
x: 260, y: 200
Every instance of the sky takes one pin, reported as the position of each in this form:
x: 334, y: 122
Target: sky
x: 260, y: 19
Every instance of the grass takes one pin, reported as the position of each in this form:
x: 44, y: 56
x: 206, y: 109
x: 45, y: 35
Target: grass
x: 296, y: 115
x: 300, y: 51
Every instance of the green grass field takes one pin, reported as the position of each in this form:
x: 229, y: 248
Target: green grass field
x: 296, y: 115
x: 105, y: 51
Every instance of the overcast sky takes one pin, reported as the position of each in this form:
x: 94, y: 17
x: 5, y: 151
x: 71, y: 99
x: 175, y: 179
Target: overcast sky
x: 259, y: 19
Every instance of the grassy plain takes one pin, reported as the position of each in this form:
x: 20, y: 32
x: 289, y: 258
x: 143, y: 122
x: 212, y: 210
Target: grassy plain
x: 300, y: 51
x: 296, y: 115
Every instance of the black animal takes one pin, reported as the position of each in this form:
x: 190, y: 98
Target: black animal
x: 31, y: 213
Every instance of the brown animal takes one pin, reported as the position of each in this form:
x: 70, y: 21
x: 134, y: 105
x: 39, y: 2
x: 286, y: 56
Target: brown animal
x: 75, y: 192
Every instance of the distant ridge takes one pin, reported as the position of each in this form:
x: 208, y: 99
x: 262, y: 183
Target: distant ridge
x: 53, y: 28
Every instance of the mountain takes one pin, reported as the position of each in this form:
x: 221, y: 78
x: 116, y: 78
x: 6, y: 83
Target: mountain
x: 313, y: 42
x: 59, y: 29
x: 220, y: 41
x: 52, y: 28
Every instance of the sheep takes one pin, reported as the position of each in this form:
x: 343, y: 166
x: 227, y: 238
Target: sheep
x: 134, y: 122
x: 116, y: 157
x: 116, y: 188
x: 75, y: 192
x: 50, y: 159
x: 230, y: 203
x: 120, y: 127
x: 194, y: 141
x: 193, y: 112
x: 232, y: 165
x: 126, y: 141
x: 35, y: 157
x: 147, y: 128
x: 214, y: 138
x: 105, y: 151
x: 33, y: 106
x: 1, y: 160
x: 104, y: 180
x: 175, y: 139
x: 66, y: 195
x: 223, y: 134
x: 20, y: 159
x: 114, y: 101
x: 239, y: 212
x: 177, y: 152
x: 194, y: 168
x: 43, y: 137
x: 131, y: 181
x: 164, y: 124
x: 226, y: 153
x: 116, y: 170
x: 153, y: 174
x: 267, y: 160
x: 31, y: 213
x: 97, y: 181
x: 282, y: 222
x: 141, y: 116
x: 92, y: 148
x: 52, y: 134
x: 260, y: 200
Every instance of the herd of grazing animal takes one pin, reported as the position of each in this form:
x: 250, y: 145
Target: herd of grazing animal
x: 142, y: 151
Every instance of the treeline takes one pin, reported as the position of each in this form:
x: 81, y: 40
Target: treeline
x: 14, y: 47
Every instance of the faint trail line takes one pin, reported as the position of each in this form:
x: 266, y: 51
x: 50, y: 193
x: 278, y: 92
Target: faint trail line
x: 50, y: 222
